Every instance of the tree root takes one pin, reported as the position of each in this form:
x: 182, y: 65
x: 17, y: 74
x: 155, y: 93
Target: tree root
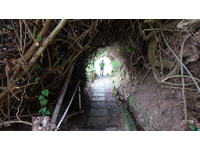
x: 166, y: 64
x: 153, y: 58
x: 196, y: 97
x: 71, y: 115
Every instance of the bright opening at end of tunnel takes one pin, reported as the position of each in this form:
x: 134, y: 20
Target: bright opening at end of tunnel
x: 107, y: 67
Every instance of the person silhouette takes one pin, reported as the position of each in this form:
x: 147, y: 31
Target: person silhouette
x: 101, y: 65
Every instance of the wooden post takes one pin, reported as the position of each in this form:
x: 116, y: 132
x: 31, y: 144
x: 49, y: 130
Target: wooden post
x: 62, y: 94
x: 40, y: 123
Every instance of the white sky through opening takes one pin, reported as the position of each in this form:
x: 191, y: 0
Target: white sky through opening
x: 107, y: 67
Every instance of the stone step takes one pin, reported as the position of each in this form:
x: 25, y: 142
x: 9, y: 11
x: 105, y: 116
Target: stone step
x: 98, y: 98
x: 98, y: 112
x: 97, y: 104
x: 98, y: 129
x: 97, y: 122
x: 98, y: 94
x: 99, y: 90
x: 101, y: 111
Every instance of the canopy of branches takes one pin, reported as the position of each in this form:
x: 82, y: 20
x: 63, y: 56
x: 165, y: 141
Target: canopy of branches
x: 36, y: 54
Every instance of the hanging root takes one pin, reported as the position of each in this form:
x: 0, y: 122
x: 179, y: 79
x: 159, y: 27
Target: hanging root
x: 196, y: 97
x: 166, y: 64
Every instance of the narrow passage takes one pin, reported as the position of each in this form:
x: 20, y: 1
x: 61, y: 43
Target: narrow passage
x: 101, y: 110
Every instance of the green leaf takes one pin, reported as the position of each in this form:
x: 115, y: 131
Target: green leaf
x: 34, y: 35
x: 69, y: 59
x: 127, y: 49
x: 160, y: 129
x: 41, y: 97
x: 138, y: 108
x: 131, y: 101
x: 156, y: 129
x: 152, y: 20
x: 147, y: 119
x: 43, y: 101
x: 39, y: 38
x: 37, y: 66
x: 192, y: 127
x: 47, y: 113
x: 3, y: 29
x: 56, y: 53
x: 127, y: 95
x: 43, y: 114
x: 42, y: 109
x: 45, y: 92
x: 37, y: 79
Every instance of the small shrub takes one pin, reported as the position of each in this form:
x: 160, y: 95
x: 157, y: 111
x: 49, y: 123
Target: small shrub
x: 131, y: 101
x: 115, y: 65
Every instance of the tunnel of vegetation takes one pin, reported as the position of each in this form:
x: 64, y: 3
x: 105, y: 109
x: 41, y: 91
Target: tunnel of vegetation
x: 36, y: 57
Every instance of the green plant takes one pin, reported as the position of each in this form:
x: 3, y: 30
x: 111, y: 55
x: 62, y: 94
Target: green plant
x: 152, y: 20
x: 147, y: 119
x: 34, y: 35
x: 69, y: 59
x: 127, y: 95
x: 127, y: 49
x: 115, y: 65
x: 43, y: 101
x: 39, y: 38
x: 56, y: 53
x: 138, y: 108
x: 114, y: 90
x: 118, y: 81
x: 37, y: 66
x: 131, y: 101
x: 193, y: 128
x: 37, y: 79
x: 122, y: 73
x: 133, y: 104
x: 118, y: 50
x: 44, y: 94
x: 91, y: 65
x: 156, y: 129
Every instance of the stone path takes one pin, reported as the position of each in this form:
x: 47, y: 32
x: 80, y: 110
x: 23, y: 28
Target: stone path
x: 101, y: 111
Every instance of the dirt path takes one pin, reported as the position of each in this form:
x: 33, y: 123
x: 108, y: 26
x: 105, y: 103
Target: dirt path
x: 155, y: 107
x: 101, y: 112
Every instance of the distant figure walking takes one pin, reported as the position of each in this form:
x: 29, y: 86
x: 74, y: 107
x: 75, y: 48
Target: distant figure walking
x: 101, y: 65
